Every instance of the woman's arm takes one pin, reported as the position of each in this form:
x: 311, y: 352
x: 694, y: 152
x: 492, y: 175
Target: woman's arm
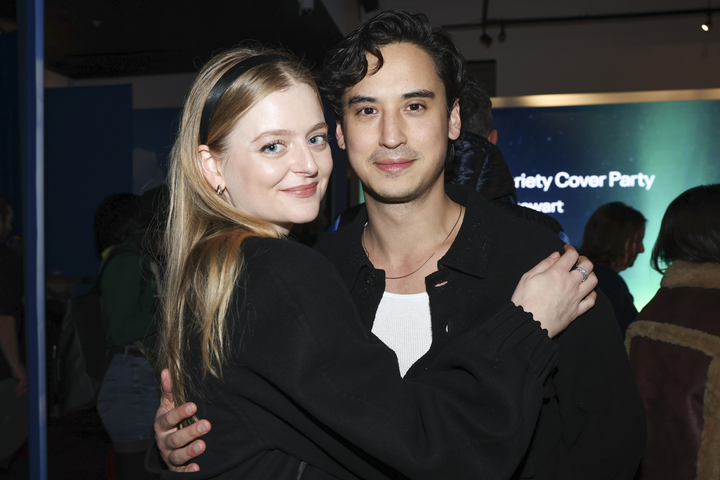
x: 508, y: 386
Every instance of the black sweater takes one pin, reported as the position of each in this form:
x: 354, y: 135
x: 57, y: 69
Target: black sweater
x: 310, y: 393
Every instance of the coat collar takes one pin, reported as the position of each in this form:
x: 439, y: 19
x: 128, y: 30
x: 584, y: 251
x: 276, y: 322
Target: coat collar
x: 687, y: 274
x: 469, y: 253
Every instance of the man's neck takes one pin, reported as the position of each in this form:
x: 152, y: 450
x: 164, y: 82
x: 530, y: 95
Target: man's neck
x: 399, y: 237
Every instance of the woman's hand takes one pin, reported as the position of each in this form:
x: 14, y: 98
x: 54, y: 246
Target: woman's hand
x: 178, y: 446
x: 554, y: 290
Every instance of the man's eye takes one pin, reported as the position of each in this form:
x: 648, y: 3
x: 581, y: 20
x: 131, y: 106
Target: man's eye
x: 367, y: 111
x: 415, y: 107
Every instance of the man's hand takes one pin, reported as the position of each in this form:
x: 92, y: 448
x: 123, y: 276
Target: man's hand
x: 555, y: 293
x: 178, y: 446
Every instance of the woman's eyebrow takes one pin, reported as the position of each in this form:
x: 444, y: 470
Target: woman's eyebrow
x: 272, y: 133
x: 317, y: 126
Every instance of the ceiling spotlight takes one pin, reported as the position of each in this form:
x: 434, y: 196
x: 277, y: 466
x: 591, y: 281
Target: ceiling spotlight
x: 502, y: 36
x: 486, y: 39
x: 708, y: 23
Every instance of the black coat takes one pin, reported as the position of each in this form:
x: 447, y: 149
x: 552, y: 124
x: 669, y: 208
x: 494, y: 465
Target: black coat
x: 308, y: 392
x: 592, y: 423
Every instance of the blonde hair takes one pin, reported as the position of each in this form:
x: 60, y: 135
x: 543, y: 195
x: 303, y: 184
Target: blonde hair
x: 204, y: 231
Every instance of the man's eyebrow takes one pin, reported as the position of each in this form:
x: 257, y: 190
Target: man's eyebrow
x: 272, y: 133
x: 361, y: 99
x: 419, y: 94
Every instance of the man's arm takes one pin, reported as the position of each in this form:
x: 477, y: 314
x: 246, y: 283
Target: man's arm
x: 9, y: 347
x: 178, y: 446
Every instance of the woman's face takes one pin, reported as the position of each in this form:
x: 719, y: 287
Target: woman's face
x: 279, y: 160
x: 633, y: 247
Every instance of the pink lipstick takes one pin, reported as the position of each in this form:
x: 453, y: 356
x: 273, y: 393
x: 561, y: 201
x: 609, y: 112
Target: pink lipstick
x: 302, y: 191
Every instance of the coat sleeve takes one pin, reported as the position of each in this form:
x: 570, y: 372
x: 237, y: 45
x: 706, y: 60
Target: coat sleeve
x: 603, y: 417
x: 474, y: 416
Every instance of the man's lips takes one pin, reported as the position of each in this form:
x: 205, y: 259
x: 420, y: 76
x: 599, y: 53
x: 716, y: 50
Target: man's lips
x: 302, y: 191
x: 394, y: 165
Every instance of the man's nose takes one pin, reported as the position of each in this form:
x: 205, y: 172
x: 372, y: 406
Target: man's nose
x: 393, y: 130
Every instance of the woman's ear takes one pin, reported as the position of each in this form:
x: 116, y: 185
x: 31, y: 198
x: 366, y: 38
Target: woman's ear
x: 209, y: 167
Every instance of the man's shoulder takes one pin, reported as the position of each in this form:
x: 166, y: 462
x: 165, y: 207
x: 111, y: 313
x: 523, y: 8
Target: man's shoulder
x: 513, y: 234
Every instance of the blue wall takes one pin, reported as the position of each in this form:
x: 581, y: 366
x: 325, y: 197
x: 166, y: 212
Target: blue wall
x: 88, y: 156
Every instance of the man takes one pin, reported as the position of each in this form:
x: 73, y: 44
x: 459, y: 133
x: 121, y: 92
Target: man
x: 394, y: 85
x: 478, y: 163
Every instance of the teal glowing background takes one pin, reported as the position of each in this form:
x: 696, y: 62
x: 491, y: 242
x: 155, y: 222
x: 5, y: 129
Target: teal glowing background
x: 678, y: 142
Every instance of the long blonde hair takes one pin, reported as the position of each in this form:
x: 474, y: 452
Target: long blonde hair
x: 204, y: 231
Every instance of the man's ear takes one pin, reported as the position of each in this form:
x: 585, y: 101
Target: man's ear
x: 454, y: 122
x: 209, y: 167
x: 493, y: 137
x: 339, y: 136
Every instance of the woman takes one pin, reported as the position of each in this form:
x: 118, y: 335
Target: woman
x: 261, y: 333
x: 674, y: 346
x: 612, y: 240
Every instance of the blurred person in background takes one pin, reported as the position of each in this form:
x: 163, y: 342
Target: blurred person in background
x: 674, y: 346
x: 127, y: 285
x: 612, y: 240
x: 11, y: 292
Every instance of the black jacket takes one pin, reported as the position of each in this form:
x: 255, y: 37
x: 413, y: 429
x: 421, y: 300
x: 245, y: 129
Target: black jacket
x: 592, y: 423
x: 613, y: 285
x: 308, y: 392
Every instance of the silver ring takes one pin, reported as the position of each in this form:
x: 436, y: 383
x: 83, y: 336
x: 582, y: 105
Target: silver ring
x: 583, y: 271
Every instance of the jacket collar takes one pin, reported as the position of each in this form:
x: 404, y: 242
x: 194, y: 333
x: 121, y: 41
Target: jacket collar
x: 687, y: 274
x: 469, y: 253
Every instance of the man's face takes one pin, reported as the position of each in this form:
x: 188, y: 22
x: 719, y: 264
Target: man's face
x: 396, y: 127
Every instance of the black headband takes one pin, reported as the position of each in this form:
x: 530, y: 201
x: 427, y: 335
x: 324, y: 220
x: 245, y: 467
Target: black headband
x: 224, y: 83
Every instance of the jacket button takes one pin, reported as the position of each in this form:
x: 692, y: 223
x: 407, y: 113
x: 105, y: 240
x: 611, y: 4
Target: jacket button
x: 370, y: 279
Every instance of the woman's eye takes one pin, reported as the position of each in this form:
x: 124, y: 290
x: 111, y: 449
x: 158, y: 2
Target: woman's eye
x: 318, y: 140
x: 274, y: 147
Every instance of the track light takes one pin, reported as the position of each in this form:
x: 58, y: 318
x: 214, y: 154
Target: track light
x: 708, y: 23
x: 486, y: 39
x: 502, y: 36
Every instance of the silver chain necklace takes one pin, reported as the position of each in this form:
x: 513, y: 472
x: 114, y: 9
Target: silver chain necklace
x: 426, y: 261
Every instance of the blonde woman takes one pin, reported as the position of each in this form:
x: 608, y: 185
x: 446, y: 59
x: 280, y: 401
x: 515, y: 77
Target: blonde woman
x: 262, y: 335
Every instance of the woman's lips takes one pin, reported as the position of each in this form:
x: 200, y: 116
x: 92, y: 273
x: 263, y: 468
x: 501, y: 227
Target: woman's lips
x: 303, y: 191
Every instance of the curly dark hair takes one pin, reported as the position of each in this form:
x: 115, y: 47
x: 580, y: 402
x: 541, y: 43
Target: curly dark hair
x: 690, y: 228
x: 346, y: 65
x: 476, y: 108
x: 607, y: 232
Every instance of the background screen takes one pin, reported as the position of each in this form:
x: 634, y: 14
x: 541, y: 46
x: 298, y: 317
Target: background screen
x: 567, y: 161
